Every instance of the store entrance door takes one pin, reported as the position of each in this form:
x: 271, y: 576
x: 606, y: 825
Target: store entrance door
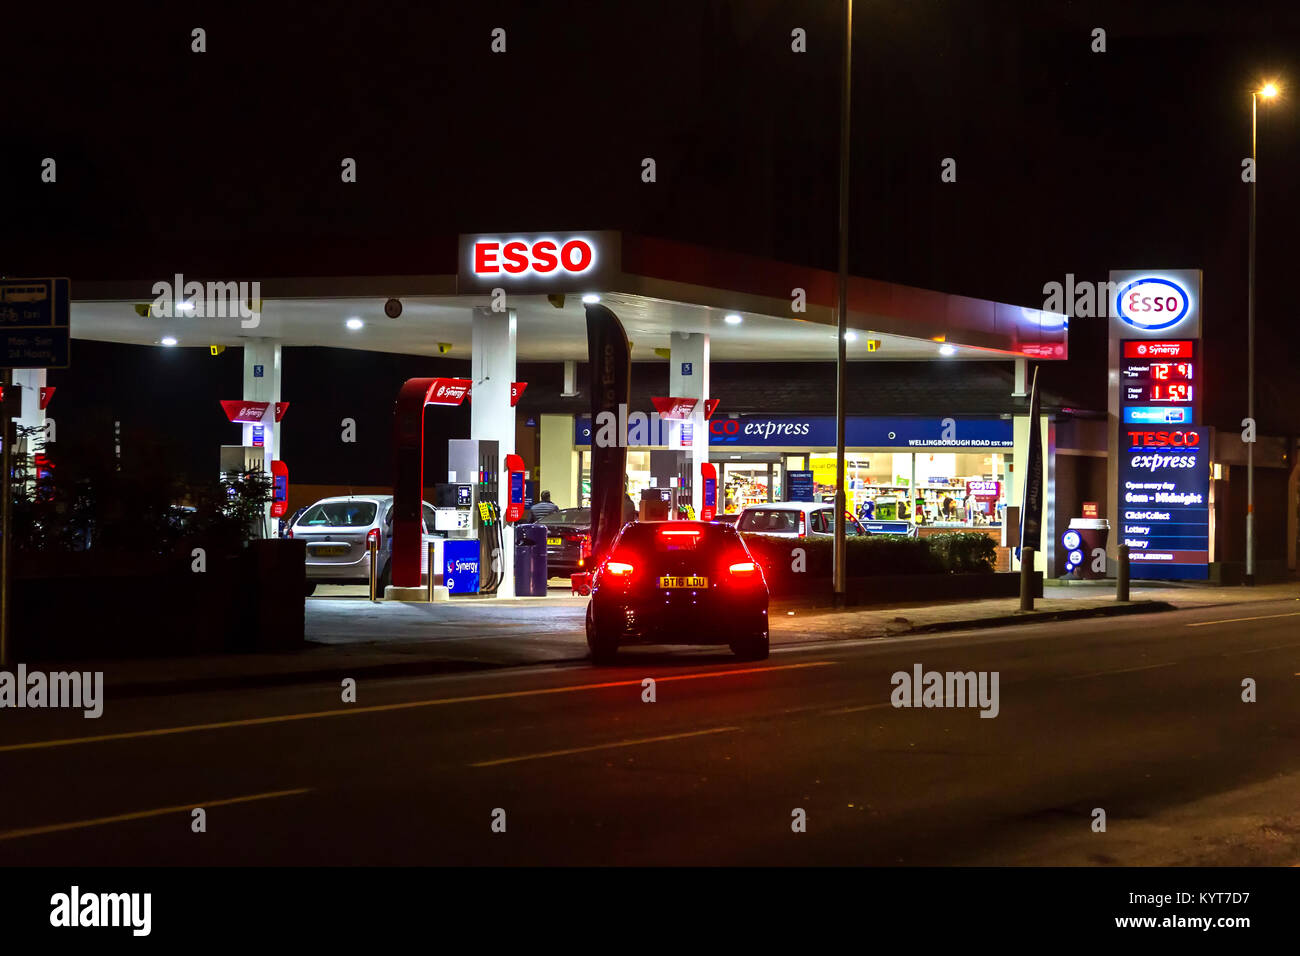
x: 751, y: 479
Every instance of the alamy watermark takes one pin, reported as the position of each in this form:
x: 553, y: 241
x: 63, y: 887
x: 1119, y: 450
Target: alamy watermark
x: 75, y: 909
x: 82, y: 690
x: 208, y: 300
x: 946, y: 689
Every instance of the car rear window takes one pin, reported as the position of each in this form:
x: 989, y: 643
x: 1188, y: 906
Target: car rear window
x: 574, y: 516
x: 339, y: 514
x: 769, y: 520
x: 667, y: 537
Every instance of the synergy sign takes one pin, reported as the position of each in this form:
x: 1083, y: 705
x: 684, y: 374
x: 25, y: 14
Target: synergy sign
x: 538, y: 262
x: 1165, y: 501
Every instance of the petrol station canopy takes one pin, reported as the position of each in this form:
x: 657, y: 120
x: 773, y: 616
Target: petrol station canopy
x: 655, y: 286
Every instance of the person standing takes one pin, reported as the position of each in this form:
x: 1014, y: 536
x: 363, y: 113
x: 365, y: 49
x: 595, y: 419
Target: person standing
x: 544, y: 507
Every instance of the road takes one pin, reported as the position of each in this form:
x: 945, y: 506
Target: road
x: 1140, y: 716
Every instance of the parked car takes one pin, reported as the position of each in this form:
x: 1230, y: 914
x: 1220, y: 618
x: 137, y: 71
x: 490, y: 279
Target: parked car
x: 286, y: 525
x: 337, y: 532
x: 568, y: 541
x: 795, y: 519
x: 678, y: 582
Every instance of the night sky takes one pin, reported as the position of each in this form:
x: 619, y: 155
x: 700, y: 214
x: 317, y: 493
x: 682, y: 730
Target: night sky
x: 1067, y: 160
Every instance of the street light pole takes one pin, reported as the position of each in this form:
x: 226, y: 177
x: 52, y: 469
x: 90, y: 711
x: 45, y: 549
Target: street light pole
x: 1250, y: 355
x: 839, y: 571
x: 1268, y: 91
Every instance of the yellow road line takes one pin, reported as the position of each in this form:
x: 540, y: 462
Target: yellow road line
x: 142, y: 814
x: 1234, y: 620
x: 854, y: 710
x: 382, y: 708
x: 617, y: 743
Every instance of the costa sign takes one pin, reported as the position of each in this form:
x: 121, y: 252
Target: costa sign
x: 1152, y: 303
x: 540, y: 262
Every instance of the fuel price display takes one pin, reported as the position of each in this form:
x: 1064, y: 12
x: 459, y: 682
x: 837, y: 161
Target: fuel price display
x: 1157, y: 382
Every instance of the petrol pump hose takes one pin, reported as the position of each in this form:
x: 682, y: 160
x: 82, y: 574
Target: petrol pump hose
x: 498, y: 569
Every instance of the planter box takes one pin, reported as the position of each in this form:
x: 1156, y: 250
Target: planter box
x: 914, y: 588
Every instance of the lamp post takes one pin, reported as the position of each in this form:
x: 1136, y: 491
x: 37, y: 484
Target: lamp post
x: 839, y: 571
x: 1268, y: 91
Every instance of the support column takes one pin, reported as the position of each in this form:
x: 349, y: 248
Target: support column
x: 30, y: 381
x: 492, y: 417
x: 262, y: 384
x: 688, y: 377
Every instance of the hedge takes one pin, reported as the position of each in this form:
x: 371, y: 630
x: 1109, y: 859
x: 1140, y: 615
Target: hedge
x: 875, y: 556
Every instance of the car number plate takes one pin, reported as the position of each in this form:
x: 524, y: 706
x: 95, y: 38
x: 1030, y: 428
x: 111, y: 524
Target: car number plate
x: 689, y: 581
x: 555, y: 542
x: 329, y: 550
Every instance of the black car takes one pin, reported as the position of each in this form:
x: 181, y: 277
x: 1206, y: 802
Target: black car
x: 678, y: 582
x: 568, y: 541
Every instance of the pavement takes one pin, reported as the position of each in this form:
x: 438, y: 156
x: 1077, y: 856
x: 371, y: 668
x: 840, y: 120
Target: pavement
x: 695, y: 759
x: 348, y: 636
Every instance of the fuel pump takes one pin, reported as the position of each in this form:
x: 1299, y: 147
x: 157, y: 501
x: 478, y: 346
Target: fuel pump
x: 466, y: 509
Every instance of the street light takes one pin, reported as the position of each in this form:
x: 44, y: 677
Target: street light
x: 839, y: 571
x: 1268, y: 91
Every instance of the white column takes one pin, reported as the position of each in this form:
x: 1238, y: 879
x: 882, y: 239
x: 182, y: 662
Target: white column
x: 688, y: 377
x: 31, y: 381
x: 492, y: 417
x: 262, y: 384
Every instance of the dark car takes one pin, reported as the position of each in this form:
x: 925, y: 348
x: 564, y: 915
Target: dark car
x: 568, y: 541
x: 678, y: 582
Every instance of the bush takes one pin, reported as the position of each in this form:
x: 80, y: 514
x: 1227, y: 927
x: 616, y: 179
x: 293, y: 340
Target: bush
x: 874, y: 556
x: 964, y: 552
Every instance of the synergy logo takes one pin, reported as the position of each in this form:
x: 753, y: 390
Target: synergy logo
x: 1152, y: 303
x: 541, y: 257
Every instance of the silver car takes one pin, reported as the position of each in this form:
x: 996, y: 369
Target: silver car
x: 794, y: 519
x: 337, y: 532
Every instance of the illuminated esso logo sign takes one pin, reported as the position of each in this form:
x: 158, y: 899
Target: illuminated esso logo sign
x: 1152, y: 304
x: 539, y: 257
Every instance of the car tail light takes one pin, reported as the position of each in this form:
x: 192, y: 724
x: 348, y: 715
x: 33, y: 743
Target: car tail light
x: 585, y: 551
x: 289, y: 532
x: 744, y: 569
x: 803, y: 526
x: 372, y: 538
x: 619, y: 569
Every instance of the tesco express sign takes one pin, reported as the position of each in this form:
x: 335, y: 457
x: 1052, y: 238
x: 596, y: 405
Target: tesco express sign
x: 1152, y: 303
x: 494, y: 258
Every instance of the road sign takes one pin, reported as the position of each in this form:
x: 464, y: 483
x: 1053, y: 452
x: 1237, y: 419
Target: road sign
x: 34, y: 323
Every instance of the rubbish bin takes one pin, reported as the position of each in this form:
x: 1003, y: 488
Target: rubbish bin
x: 530, y: 560
x: 1081, y: 541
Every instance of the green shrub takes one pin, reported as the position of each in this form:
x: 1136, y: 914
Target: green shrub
x: 874, y: 556
x: 964, y: 552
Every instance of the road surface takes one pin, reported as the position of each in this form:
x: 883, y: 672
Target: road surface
x: 1140, y: 716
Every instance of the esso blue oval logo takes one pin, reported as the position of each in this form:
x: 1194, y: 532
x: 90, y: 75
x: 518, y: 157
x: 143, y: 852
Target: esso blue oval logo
x: 1152, y: 304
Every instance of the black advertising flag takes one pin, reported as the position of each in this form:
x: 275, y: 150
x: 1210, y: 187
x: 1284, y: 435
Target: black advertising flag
x: 610, y: 365
x: 1031, y: 509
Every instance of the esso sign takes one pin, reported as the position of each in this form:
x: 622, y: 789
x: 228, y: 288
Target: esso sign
x: 539, y: 257
x: 1162, y: 439
x: 1151, y: 304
